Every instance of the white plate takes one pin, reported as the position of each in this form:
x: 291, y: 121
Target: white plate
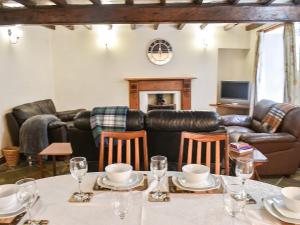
x: 215, y: 184
x: 269, y: 205
x: 208, y: 183
x: 14, y: 210
x: 280, y: 207
x: 134, y: 181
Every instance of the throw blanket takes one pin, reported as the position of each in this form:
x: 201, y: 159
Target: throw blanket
x: 34, y: 134
x: 107, y: 119
x: 276, y: 115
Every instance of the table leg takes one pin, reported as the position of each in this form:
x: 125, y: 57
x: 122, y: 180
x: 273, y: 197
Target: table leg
x: 40, y: 158
x: 54, y: 165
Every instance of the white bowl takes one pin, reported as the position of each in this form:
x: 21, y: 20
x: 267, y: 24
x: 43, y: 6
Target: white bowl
x: 195, y: 173
x: 8, y: 196
x: 119, y: 172
x: 291, y: 198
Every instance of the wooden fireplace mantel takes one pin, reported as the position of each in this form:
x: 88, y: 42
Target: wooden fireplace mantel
x: 182, y: 84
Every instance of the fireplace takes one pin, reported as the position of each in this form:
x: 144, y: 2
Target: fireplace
x: 160, y: 93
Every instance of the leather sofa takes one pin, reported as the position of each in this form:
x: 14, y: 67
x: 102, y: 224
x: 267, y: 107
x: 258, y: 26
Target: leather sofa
x: 281, y: 148
x: 163, y: 128
x: 57, y: 131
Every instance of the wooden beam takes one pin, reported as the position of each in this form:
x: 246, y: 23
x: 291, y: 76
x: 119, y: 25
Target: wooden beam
x: 197, y: 1
x: 228, y: 27
x: 271, y: 27
x: 233, y: 2
x: 60, y: 2
x: 88, y: 27
x: 70, y: 27
x: 150, y: 13
x: 163, y: 2
x: 180, y: 26
x: 26, y: 3
x: 266, y: 2
x: 96, y: 2
x: 129, y: 2
x: 253, y: 26
x: 133, y: 26
x: 203, y: 25
x: 155, y: 26
x: 52, y: 27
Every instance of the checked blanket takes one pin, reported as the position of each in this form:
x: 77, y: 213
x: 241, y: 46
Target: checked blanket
x: 107, y: 119
x: 276, y: 115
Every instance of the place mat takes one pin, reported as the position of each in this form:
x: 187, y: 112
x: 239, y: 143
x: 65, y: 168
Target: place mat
x: 165, y: 199
x: 142, y: 187
x: 73, y: 199
x: 176, y: 190
x: 13, y: 220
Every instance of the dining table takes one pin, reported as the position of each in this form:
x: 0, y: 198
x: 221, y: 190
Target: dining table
x: 182, y: 209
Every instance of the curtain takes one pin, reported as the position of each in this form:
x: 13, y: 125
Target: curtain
x: 257, y: 68
x: 290, y: 64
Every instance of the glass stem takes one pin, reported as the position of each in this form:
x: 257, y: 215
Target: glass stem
x: 79, y: 187
x: 158, y: 185
x: 29, y: 214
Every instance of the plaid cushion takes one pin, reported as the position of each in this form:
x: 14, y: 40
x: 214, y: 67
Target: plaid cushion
x: 275, y: 116
x: 107, y: 119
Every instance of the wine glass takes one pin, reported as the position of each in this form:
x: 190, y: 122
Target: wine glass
x: 26, y: 195
x: 159, y: 167
x: 78, y: 169
x: 234, y: 201
x: 120, y: 203
x: 244, y: 169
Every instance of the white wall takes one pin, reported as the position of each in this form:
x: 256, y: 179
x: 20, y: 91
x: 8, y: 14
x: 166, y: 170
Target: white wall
x: 87, y: 75
x: 26, y: 72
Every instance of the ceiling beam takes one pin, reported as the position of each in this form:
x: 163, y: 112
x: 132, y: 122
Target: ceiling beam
x: 233, y: 2
x: 180, y: 26
x: 133, y: 26
x: 60, y: 2
x: 163, y: 2
x: 253, y: 26
x: 170, y: 13
x: 266, y: 2
x: 96, y: 2
x: 197, y: 1
x: 129, y: 2
x: 52, y: 27
x: 26, y: 3
x: 70, y: 27
x: 203, y: 25
x: 155, y: 26
x: 228, y: 27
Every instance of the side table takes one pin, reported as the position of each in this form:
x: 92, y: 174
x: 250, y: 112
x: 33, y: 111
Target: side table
x: 54, y: 149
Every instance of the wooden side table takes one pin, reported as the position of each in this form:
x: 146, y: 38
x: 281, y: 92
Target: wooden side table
x: 54, y: 149
x: 258, y: 157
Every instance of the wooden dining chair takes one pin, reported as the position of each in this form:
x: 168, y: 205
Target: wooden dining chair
x: 123, y: 139
x: 199, y: 139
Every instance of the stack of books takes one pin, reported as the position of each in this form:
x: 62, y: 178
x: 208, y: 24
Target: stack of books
x: 241, y: 147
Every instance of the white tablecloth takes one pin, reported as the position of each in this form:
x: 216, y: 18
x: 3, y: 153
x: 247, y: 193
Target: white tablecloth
x: 183, y: 209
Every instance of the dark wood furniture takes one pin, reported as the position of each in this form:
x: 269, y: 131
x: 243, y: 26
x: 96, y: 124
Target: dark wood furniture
x: 230, y: 109
x: 55, y: 149
x: 258, y: 158
x: 119, y: 137
x: 182, y: 84
x: 208, y: 139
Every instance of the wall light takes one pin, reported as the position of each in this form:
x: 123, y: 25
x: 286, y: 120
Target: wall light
x: 106, y: 36
x: 14, y: 34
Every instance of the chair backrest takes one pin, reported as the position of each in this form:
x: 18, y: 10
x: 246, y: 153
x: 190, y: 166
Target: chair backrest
x: 120, y: 138
x: 199, y: 139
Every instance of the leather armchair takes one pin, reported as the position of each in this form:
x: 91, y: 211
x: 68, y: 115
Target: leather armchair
x: 281, y: 148
x: 57, y: 131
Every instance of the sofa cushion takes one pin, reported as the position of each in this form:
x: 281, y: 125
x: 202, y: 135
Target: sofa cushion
x: 194, y: 121
x: 236, y: 131
x: 236, y: 120
x: 262, y: 108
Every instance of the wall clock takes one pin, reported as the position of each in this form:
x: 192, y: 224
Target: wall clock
x: 160, y: 52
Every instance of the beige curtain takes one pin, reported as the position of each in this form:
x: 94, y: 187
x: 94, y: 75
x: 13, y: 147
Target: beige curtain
x: 257, y: 68
x: 290, y: 64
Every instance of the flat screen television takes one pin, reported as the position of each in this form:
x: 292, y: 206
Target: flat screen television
x: 235, y: 92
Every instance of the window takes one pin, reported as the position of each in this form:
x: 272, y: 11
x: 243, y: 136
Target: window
x: 271, y: 85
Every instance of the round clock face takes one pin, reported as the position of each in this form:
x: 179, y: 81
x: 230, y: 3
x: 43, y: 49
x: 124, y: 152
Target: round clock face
x: 160, y: 52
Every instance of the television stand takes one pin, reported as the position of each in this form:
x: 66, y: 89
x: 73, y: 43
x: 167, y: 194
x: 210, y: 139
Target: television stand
x: 231, y: 108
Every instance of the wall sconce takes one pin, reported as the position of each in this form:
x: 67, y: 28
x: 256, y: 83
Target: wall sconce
x: 14, y: 34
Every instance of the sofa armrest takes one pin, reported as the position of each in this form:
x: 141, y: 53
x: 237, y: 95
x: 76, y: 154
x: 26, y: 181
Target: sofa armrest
x: 253, y: 138
x: 68, y: 115
x: 56, y: 124
x: 236, y: 120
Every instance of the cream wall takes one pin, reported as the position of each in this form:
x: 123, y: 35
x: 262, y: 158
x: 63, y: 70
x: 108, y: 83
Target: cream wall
x: 26, y: 72
x: 87, y: 75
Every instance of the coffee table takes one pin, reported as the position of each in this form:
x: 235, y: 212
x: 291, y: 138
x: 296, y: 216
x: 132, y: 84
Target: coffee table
x: 54, y: 149
x: 258, y: 157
